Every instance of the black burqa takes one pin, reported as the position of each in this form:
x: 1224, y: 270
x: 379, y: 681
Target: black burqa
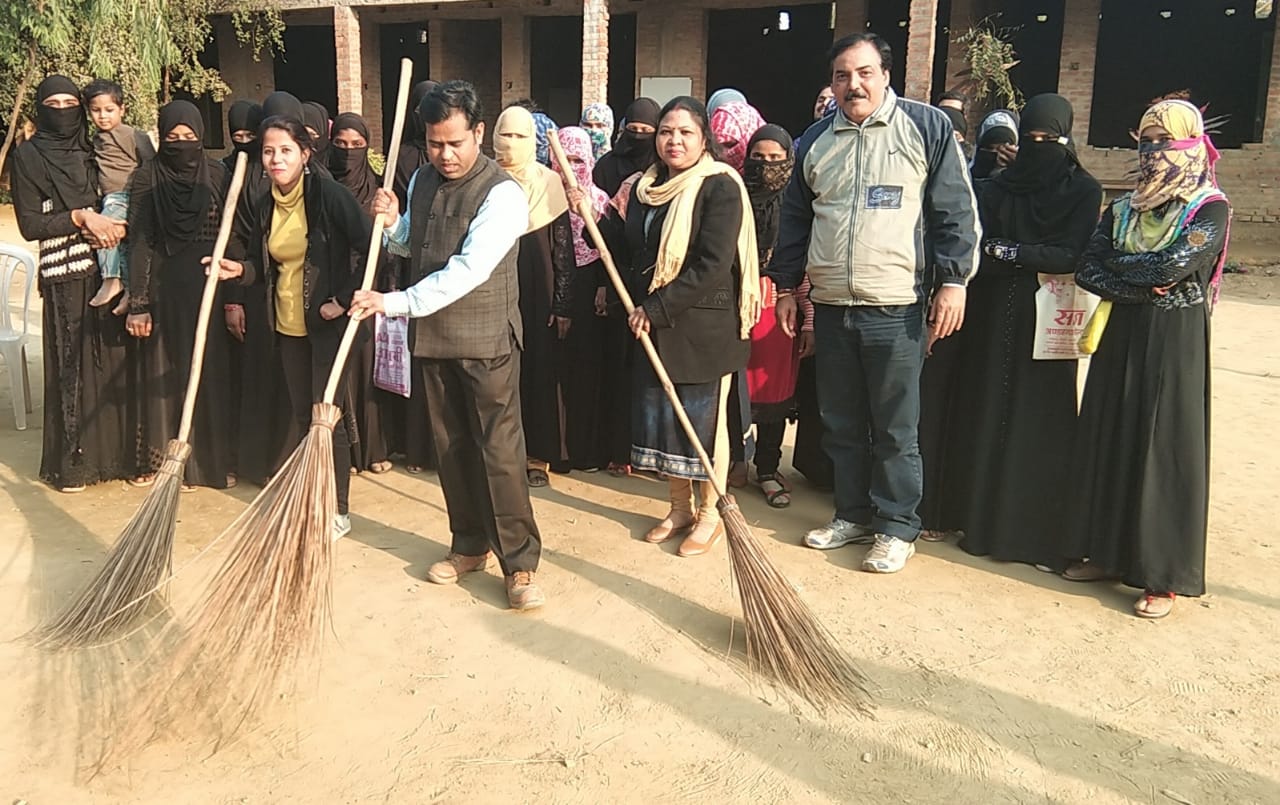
x: 1141, y: 467
x: 368, y: 408
x: 633, y: 152
x: 1006, y: 478
x: 89, y: 428
x: 173, y: 222
x: 413, y: 151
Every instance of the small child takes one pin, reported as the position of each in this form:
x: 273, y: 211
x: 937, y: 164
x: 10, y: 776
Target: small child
x: 118, y: 149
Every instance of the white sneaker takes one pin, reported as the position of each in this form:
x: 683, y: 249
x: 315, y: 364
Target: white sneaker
x: 888, y: 555
x: 341, y: 526
x: 837, y: 534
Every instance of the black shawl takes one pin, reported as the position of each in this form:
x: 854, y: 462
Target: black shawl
x: 1043, y: 188
x: 244, y: 116
x: 66, y: 171
x: 632, y: 153
x: 182, y: 188
x: 316, y: 118
x: 765, y: 182
x: 350, y: 166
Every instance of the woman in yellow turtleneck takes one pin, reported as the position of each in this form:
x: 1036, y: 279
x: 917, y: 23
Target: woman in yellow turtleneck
x: 308, y: 244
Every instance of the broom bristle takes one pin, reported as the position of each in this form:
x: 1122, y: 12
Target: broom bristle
x: 133, y: 571
x: 785, y: 641
x: 266, y: 607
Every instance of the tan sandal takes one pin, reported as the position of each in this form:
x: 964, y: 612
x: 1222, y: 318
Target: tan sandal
x: 699, y: 541
x: 1153, y: 605
x: 667, y: 530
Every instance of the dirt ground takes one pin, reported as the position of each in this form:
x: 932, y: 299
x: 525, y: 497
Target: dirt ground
x: 995, y: 683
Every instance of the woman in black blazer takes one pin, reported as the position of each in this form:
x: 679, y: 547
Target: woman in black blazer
x: 307, y: 240
x: 688, y: 244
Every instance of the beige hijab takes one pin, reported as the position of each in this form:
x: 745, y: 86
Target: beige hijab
x: 677, y: 231
x: 515, y: 148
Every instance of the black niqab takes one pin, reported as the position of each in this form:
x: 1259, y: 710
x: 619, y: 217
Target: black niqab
x: 350, y: 166
x: 632, y: 153
x: 316, y: 118
x: 765, y: 182
x: 244, y: 116
x: 1046, y: 183
x: 62, y: 140
x: 182, y: 189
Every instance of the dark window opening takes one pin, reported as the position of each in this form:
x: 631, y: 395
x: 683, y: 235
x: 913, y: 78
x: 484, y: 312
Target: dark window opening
x: 780, y: 71
x: 622, y: 62
x: 308, y: 68
x: 1222, y: 59
x: 555, y: 68
x: 401, y: 41
x: 1036, y: 33
x: 891, y: 19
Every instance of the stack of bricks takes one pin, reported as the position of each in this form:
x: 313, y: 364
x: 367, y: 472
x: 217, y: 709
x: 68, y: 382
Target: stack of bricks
x: 595, y: 51
x: 922, y: 37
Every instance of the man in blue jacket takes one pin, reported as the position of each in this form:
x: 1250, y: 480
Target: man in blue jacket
x: 880, y: 199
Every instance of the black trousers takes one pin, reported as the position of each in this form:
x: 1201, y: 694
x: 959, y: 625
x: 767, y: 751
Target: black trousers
x: 480, y: 452
x: 306, y: 370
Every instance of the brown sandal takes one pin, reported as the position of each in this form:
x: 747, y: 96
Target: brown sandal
x: 667, y: 530
x: 1086, y: 571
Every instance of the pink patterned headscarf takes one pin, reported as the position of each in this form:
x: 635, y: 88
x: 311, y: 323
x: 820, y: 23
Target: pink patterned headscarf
x: 733, y: 125
x: 576, y: 142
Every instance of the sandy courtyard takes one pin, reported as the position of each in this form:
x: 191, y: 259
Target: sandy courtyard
x: 995, y: 683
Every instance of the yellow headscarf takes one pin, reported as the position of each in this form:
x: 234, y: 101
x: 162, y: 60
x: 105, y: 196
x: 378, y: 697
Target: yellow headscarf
x: 677, y: 230
x: 515, y: 149
x: 1182, y: 171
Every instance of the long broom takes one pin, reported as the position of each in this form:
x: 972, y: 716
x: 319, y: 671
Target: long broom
x: 785, y: 640
x: 268, y: 603
x: 143, y: 555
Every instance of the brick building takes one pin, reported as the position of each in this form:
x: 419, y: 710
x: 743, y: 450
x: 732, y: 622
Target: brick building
x: 1108, y: 56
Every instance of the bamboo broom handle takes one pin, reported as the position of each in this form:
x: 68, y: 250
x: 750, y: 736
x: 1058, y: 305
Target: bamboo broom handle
x: 588, y: 217
x: 375, y: 236
x: 210, y: 291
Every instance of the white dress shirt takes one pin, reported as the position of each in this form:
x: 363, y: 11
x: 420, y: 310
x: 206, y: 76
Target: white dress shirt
x: 502, y: 218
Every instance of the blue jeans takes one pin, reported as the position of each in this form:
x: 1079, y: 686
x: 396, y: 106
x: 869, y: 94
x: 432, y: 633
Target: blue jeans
x: 111, y: 262
x: 869, y: 364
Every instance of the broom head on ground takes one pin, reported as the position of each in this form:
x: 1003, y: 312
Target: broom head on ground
x: 267, y: 606
x: 785, y: 641
x: 140, y: 562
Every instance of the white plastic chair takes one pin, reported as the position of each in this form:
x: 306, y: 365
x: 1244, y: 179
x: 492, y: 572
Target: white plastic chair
x: 13, y: 341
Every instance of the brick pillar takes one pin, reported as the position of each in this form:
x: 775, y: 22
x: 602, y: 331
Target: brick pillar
x: 851, y: 17
x: 346, y: 41
x: 371, y: 89
x: 920, y: 44
x: 515, y: 57
x: 1079, y: 57
x: 1271, y: 131
x: 595, y: 51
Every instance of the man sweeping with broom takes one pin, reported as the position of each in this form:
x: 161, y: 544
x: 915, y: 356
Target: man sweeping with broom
x: 464, y: 218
